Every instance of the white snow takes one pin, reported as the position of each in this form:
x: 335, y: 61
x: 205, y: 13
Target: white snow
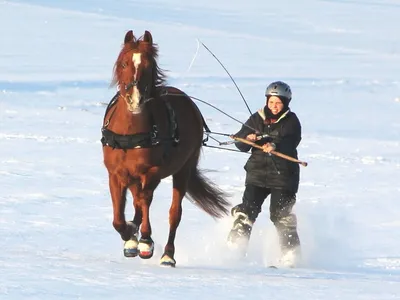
x: 341, y: 59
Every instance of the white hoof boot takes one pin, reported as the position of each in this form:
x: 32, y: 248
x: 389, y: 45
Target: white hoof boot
x: 167, y: 261
x: 131, y: 247
x: 146, y: 248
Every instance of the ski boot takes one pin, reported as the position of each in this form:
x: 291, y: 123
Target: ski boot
x: 241, y: 230
x: 289, y: 240
x: 291, y: 257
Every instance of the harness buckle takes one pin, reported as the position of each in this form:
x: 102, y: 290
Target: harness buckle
x: 154, y: 136
x: 205, y: 140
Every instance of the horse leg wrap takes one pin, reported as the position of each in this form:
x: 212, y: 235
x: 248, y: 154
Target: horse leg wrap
x: 146, y: 248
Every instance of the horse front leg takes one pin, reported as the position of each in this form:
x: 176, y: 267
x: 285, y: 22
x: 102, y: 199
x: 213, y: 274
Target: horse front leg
x: 118, y: 196
x: 137, y: 218
x: 175, y: 215
x: 146, y: 243
x: 131, y: 246
x: 144, y: 193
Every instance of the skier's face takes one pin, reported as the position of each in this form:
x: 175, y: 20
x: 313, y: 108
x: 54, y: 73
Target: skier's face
x: 275, y: 104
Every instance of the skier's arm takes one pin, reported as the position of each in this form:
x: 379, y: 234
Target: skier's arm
x: 289, y: 137
x: 243, y: 133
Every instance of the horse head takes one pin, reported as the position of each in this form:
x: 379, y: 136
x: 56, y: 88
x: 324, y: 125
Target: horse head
x: 136, y: 71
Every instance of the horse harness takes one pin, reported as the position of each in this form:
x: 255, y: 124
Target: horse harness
x: 140, y: 140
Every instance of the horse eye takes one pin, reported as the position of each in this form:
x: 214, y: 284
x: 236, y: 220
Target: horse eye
x: 124, y: 65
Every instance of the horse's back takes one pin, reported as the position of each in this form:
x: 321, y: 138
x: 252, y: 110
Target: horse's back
x: 175, y: 95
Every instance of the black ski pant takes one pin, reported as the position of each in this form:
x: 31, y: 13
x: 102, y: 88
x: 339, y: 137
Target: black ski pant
x: 281, y: 202
x: 280, y: 210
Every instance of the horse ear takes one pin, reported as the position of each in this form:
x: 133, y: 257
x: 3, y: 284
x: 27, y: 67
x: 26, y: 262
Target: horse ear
x: 147, y: 37
x: 129, y: 37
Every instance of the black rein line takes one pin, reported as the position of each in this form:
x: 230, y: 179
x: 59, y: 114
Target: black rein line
x: 207, y: 132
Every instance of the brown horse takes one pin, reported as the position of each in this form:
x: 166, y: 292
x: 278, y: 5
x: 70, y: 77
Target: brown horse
x: 152, y: 131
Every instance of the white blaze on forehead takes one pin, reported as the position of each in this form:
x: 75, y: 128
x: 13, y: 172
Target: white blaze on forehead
x: 136, y: 59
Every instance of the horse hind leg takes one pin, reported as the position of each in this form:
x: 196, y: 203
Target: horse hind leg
x: 180, y: 181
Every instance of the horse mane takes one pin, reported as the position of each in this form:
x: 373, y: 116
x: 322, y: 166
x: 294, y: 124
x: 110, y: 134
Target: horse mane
x: 150, y: 51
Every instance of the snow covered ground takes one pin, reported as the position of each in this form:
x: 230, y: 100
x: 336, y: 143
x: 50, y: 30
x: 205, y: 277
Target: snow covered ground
x: 340, y: 57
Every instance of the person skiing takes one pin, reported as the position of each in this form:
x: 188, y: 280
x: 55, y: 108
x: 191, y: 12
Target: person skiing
x: 277, y: 128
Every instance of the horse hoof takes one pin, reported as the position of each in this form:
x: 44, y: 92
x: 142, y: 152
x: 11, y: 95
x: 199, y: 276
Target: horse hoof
x: 167, y: 261
x: 146, y: 248
x: 131, y: 248
x: 130, y: 252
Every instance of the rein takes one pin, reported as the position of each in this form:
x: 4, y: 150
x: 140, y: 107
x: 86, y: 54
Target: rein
x: 235, y: 139
x: 207, y: 131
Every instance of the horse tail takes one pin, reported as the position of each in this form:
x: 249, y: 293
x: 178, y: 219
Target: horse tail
x: 207, y: 195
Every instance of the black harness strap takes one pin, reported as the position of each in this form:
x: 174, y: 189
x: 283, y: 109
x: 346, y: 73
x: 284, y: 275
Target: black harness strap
x: 140, y: 140
x: 109, y: 106
x: 173, y: 124
x: 130, y: 141
x: 206, y: 129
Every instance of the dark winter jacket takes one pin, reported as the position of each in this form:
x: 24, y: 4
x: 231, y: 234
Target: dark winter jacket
x: 267, y: 170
